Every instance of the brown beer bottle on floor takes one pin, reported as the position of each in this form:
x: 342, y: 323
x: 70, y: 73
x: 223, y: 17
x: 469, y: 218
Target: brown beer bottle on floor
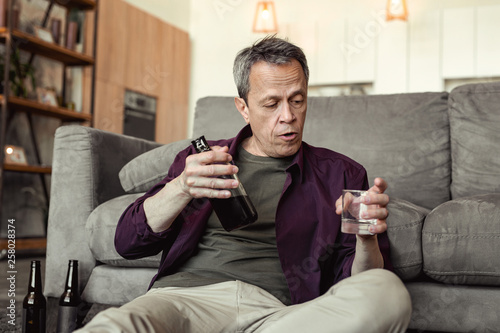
x: 34, y: 304
x: 69, y: 301
x: 236, y: 211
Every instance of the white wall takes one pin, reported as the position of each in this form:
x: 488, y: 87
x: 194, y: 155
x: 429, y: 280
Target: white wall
x: 345, y: 41
x: 175, y: 12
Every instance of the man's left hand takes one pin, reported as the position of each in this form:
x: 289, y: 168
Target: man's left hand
x: 377, y: 202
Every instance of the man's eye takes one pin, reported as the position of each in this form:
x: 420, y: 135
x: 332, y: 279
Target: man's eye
x: 271, y: 106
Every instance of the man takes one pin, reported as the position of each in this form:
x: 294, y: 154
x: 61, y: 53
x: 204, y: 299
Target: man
x: 292, y: 270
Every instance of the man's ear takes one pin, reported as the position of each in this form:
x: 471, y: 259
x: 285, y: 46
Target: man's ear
x: 242, y: 108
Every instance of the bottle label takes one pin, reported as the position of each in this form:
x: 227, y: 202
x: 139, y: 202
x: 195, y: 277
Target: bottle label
x: 67, y: 319
x: 201, y: 144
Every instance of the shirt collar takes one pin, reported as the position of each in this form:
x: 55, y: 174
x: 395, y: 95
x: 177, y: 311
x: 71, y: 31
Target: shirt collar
x: 298, y: 159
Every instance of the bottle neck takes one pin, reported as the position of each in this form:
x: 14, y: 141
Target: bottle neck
x: 72, y: 277
x: 35, y: 283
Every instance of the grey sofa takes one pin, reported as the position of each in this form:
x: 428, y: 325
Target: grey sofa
x: 439, y: 152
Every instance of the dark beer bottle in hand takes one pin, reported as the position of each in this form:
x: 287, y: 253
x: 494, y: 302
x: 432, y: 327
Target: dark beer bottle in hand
x: 69, y: 301
x: 34, y: 304
x: 236, y: 211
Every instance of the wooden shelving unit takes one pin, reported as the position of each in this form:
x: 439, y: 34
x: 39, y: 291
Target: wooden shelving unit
x: 17, y: 39
x: 26, y: 243
x: 29, y: 106
x: 32, y: 44
x: 27, y: 168
x: 82, y: 4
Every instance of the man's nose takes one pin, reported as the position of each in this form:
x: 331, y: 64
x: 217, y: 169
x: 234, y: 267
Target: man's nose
x: 286, y: 114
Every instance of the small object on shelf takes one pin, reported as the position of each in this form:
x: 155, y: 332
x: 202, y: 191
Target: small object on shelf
x: 47, y: 96
x: 44, y: 34
x: 55, y: 29
x: 71, y: 106
x: 15, y: 155
x: 3, y: 13
x: 71, y: 35
x: 14, y: 15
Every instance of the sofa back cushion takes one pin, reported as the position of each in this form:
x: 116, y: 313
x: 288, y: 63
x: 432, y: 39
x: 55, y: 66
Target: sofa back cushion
x: 403, y: 138
x: 148, y: 169
x: 216, y: 118
x: 475, y: 138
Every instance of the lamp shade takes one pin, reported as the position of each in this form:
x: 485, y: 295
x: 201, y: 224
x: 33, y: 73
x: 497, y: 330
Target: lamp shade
x: 265, y: 18
x: 396, y: 10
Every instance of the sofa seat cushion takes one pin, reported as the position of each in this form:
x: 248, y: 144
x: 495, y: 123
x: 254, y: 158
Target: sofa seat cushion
x: 100, y: 229
x: 441, y: 307
x: 144, y: 171
x: 461, y: 241
x: 475, y: 135
x: 404, y: 229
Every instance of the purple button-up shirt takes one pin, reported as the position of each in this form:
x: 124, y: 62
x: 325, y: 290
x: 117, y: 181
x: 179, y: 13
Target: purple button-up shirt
x: 314, y: 254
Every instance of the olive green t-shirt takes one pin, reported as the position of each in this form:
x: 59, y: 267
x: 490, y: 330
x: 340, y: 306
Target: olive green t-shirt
x: 248, y: 254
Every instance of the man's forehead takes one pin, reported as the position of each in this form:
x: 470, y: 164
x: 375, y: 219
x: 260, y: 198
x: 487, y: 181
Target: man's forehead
x: 269, y: 76
x: 292, y: 64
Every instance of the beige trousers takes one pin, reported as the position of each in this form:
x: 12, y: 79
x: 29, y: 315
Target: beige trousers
x: 372, y: 301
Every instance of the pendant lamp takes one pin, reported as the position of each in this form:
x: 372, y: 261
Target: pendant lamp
x: 265, y: 18
x: 396, y: 10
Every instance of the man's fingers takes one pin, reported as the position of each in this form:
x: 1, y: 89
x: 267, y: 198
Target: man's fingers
x: 380, y: 185
x: 378, y: 228
x: 212, y: 170
x: 199, y: 192
x: 210, y: 157
x: 376, y: 199
x: 375, y: 212
x: 211, y: 183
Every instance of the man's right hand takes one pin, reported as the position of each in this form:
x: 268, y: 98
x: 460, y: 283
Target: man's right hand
x: 200, y: 177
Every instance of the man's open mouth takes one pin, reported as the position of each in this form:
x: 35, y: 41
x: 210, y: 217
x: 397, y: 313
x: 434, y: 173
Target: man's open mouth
x: 289, y: 135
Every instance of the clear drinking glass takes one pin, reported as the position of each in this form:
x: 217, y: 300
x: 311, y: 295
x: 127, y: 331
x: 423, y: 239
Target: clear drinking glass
x: 352, y: 210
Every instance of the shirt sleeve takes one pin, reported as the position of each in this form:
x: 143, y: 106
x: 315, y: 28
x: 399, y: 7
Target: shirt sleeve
x: 134, y: 238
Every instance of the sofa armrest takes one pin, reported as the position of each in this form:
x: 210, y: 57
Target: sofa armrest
x: 404, y: 229
x: 85, y: 167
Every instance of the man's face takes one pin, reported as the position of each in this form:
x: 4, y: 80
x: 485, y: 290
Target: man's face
x: 276, y: 110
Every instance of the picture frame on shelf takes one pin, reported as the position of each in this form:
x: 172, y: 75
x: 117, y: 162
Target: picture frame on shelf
x: 44, y: 34
x: 15, y: 155
x: 46, y: 96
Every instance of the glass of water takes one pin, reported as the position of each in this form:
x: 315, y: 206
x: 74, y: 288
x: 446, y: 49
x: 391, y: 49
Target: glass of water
x: 352, y: 212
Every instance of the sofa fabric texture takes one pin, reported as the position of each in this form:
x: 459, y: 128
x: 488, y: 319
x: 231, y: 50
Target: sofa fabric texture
x: 461, y: 241
x: 100, y: 229
x: 439, y: 152
x: 380, y: 133
x: 475, y: 139
x: 148, y: 169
